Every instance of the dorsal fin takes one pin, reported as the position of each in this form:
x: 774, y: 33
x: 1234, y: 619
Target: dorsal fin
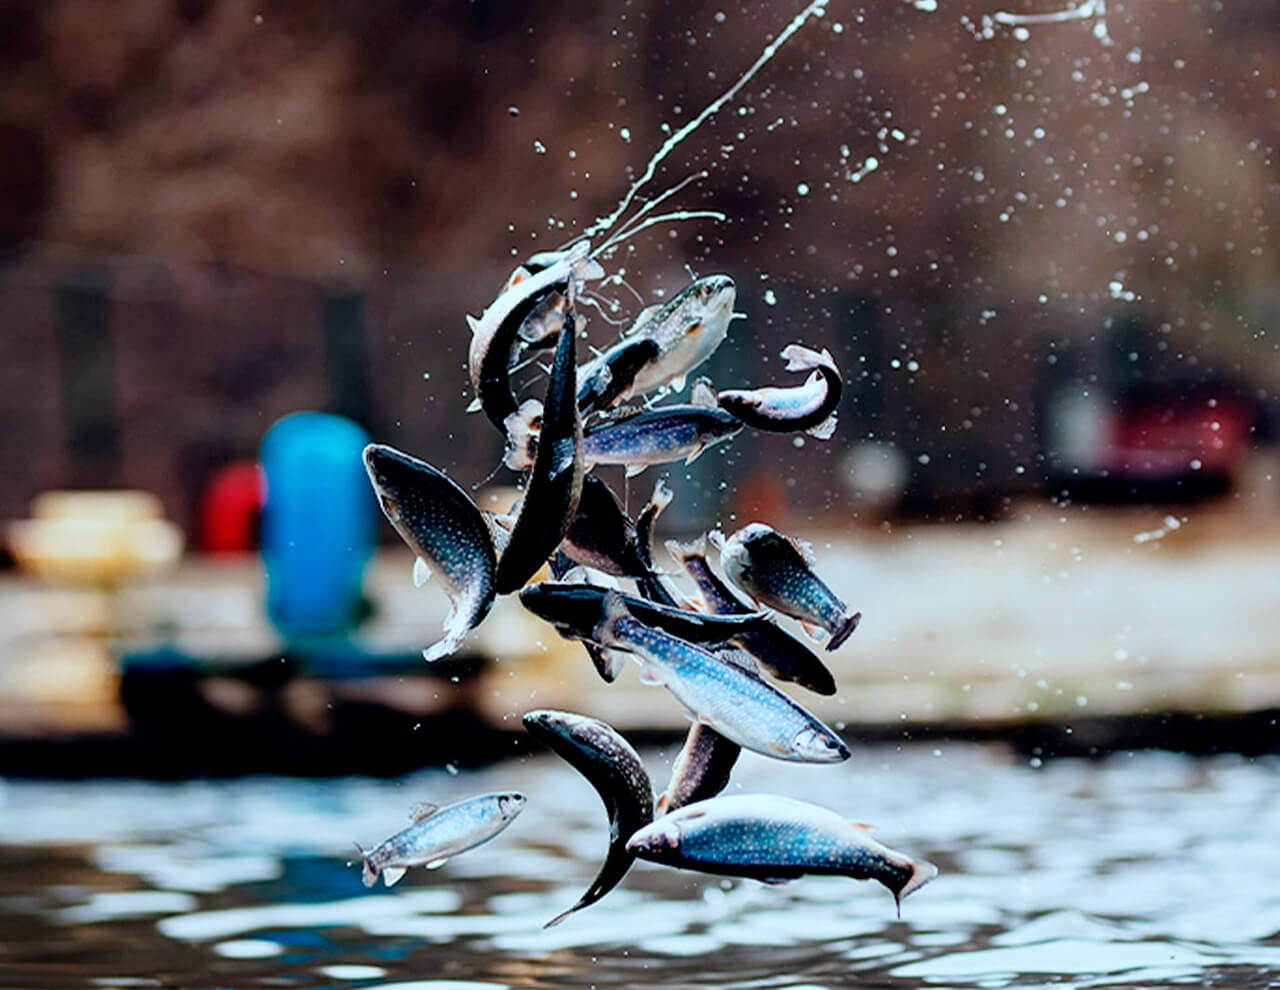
x: 863, y: 827
x: 472, y: 323
x: 422, y: 811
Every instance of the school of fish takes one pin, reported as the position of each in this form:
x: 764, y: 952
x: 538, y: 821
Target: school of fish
x: 718, y: 656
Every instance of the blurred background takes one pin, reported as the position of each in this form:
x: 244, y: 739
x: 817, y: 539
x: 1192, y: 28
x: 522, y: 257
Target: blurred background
x: 238, y: 239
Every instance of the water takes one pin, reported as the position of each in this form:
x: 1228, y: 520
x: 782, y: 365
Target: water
x: 1142, y: 870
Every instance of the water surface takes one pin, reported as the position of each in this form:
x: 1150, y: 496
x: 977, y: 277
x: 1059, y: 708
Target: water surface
x: 1141, y: 870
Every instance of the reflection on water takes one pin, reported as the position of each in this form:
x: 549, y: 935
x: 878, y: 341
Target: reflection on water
x: 1143, y: 870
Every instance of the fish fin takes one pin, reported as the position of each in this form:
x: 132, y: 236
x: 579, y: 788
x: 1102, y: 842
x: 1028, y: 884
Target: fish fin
x: 922, y: 872
x: 680, y: 552
x: 660, y: 499
x: 716, y: 539
x: 703, y: 394
x: 694, y: 328
x: 368, y: 872
x: 846, y: 629
x: 473, y: 324
x: 634, y: 469
x: 422, y: 811
x: 660, y: 806
x: 435, y: 864
x: 391, y: 875
x: 523, y: 429
x: 561, y: 916
x: 608, y: 662
x: 588, y: 269
x: 824, y: 430
x: 650, y: 673
x: 863, y: 827
x: 474, y: 406
x: 695, y: 453
x: 814, y: 632
x: 774, y: 881
x: 448, y: 645
x: 677, y: 384
x: 421, y: 572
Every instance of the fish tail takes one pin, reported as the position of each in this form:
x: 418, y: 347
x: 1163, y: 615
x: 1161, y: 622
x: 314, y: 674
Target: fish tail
x: 523, y: 428
x: 801, y: 358
x: 844, y: 631
x: 922, y: 871
x: 369, y: 872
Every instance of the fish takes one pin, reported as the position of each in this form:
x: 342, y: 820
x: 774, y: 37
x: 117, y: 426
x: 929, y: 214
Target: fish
x: 774, y: 839
x: 777, y: 651
x: 496, y: 334
x: 438, y: 834
x: 660, y: 435
x: 665, y: 343
x: 808, y: 408
x: 777, y: 571
x: 445, y: 530
x: 651, y: 583
x: 610, y: 764
x: 555, y: 482
x: 576, y: 609
x: 608, y: 663
x: 732, y: 699
x: 701, y: 770
x: 601, y: 535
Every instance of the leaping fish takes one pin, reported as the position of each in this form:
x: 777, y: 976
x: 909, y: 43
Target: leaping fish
x: 437, y: 834
x: 730, y: 698
x: 446, y: 532
x: 660, y: 435
x: 809, y: 408
x: 613, y: 768
x: 777, y: 571
x: 666, y: 342
x: 555, y: 483
x: 774, y: 839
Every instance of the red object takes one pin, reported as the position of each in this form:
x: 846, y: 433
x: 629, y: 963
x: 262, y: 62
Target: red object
x: 230, y: 507
x: 1170, y: 438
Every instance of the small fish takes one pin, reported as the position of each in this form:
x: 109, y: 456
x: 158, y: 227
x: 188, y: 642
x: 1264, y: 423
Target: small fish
x: 659, y: 435
x: 576, y: 610
x: 773, y: 839
x: 809, y: 408
x: 730, y: 698
x: 437, y: 834
x: 613, y: 768
x: 701, y: 770
x: 778, y: 652
x: 665, y: 343
x: 555, y: 483
x: 601, y: 536
x: 496, y: 335
x: 445, y: 530
x: 777, y: 571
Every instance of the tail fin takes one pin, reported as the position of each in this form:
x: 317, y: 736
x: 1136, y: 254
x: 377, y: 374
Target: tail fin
x: 846, y: 629
x: 523, y: 427
x: 801, y: 358
x: 922, y: 872
x: 369, y: 872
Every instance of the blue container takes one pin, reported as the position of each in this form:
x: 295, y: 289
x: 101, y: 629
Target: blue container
x: 319, y: 524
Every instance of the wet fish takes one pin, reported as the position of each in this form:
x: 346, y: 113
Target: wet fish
x: 496, y: 335
x: 773, y: 839
x: 613, y: 768
x: 778, y: 652
x: 650, y: 582
x: 701, y: 770
x: 809, y: 408
x: 437, y: 834
x: 577, y: 609
x: 659, y: 435
x: 446, y: 531
x: 777, y: 571
x: 665, y: 343
x: 601, y: 536
x: 555, y: 483
x: 732, y: 699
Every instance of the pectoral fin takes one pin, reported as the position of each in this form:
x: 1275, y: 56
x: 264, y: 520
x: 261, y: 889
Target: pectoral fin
x: 391, y: 875
x: 634, y: 469
x: 423, y: 811
x: 815, y: 633
x: 435, y: 864
x: 421, y: 572
x: 650, y: 674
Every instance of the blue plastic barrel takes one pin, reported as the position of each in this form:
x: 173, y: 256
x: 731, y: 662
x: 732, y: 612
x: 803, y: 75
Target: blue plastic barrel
x: 319, y: 524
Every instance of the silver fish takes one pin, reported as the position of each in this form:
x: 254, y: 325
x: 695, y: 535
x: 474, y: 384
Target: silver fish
x: 780, y: 653
x: 496, y: 335
x: 665, y: 343
x: 613, y: 768
x: 732, y: 699
x: 773, y: 839
x: 809, y: 408
x: 777, y: 571
x: 555, y: 483
x: 446, y: 532
x: 659, y: 435
x: 437, y: 834
x: 701, y: 770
